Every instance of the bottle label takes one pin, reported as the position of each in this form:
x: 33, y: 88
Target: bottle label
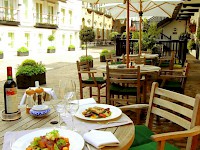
x: 11, y: 100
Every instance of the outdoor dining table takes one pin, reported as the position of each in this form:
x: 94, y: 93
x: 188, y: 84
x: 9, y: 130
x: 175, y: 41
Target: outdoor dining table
x: 124, y: 133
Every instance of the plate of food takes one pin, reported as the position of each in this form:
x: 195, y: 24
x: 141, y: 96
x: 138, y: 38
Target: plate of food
x: 98, y: 112
x: 57, y: 139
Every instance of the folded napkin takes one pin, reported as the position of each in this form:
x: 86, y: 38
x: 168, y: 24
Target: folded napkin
x: 49, y: 91
x: 85, y: 101
x: 100, y: 139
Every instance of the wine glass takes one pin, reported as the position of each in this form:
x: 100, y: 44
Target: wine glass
x: 72, y: 104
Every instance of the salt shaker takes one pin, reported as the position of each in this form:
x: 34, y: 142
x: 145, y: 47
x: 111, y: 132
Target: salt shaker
x: 29, y: 100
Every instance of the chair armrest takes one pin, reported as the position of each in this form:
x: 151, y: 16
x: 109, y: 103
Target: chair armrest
x: 134, y: 106
x: 87, y: 72
x: 170, y: 76
x: 174, y: 135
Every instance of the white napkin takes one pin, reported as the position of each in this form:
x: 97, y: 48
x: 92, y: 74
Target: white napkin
x: 85, y: 101
x: 100, y: 139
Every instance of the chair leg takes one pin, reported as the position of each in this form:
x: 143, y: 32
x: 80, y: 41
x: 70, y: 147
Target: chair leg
x: 98, y: 94
x: 81, y: 93
x: 138, y: 112
x: 90, y: 91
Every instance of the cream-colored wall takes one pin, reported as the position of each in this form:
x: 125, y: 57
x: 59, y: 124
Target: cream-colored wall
x: 174, y: 29
x: 100, y: 22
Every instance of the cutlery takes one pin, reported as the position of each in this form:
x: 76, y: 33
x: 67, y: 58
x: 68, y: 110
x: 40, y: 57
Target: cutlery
x: 109, y: 122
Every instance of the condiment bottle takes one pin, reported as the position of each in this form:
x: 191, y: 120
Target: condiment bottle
x: 29, y: 100
x: 39, y: 92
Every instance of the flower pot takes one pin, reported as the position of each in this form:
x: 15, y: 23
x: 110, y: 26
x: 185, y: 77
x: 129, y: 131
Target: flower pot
x: 71, y: 49
x: 102, y: 59
x: 24, y: 82
x: 1, y: 56
x: 51, y: 50
x: 22, y: 53
x: 91, y: 64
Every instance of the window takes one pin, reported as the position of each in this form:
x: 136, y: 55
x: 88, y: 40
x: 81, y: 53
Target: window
x: 70, y: 17
x: 63, y: 40
x: 50, y: 15
x: 25, y: 9
x: 40, y: 39
x: 9, y: 10
x: 11, y: 39
x: 27, y: 39
x: 39, y: 12
x: 71, y: 39
x: 63, y: 15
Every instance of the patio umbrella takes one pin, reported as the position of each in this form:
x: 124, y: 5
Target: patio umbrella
x: 130, y: 9
x: 149, y: 8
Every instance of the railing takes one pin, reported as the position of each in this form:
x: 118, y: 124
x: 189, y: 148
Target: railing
x: 9, y: 14
x: 45, y: 19
x: 179, y: 46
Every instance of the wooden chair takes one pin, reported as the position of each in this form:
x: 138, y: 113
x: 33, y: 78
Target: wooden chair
x: 174, y: 80
x: 123, y: 84
x: 167, y: 61
x: 185, y: 115
x: 134, y: 59
x: 89, y: 80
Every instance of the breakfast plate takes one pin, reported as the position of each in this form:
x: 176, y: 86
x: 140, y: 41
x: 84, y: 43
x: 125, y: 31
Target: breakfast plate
x: 23, y: 142
x: 115, y: 112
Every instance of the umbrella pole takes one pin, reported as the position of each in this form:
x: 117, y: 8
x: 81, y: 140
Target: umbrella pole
x: 127, y: 34
x: 140, y: 29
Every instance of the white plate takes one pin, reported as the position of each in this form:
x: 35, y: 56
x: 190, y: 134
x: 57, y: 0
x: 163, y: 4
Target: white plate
x: 115, y: 112
x: 23, y: 142
x: 40, y: 107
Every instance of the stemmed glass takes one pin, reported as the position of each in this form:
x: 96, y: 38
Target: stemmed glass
x: 72, y: 104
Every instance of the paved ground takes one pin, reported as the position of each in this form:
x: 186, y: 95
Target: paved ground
x: 62, y: 66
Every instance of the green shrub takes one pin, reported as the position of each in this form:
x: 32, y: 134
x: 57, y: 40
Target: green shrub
x: 51, y: 48
x: 51, y: 37
x: 113, y: 36
x: 71, y: 46
x: 191, y: 44
x: 29, y: 67
x: 1, y: 52
x: 29, y: 62
x: 83, y: 46
x: 86, y: 58
x: 23, y: 49
x: 104, y: 52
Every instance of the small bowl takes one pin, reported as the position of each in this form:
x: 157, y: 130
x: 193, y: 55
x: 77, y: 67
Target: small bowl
x: 39, y: 113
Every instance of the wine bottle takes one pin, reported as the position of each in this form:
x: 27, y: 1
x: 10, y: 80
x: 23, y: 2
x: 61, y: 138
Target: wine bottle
x: 10, y: 93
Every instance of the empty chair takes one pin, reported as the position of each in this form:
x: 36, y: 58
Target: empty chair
x: 89, y: 80
x: 167, y: 61
x: 123, y: 84
x: 174, y: 80
x: 185, y: 114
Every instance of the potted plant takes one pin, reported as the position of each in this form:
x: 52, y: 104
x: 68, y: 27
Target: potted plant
x: 71, y: 47
x: 191, y: 44
x: 1, y: 54
x: 113, y: 36
x: 51, y: 49
x: 28, y: 72
x: 103, y: 55
x: 83, y: 46
x: 22, y: 51
x: 192, y: 27
x: 86, y: 35
x: 88, y: 58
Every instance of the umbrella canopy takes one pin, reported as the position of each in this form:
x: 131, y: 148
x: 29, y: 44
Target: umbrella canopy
x: 149, y: 8
x: 129, y: 5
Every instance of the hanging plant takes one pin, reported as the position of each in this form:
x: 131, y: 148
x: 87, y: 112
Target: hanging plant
x: 192, y: 27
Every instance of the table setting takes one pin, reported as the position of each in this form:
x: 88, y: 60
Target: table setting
x: 77, y: 127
